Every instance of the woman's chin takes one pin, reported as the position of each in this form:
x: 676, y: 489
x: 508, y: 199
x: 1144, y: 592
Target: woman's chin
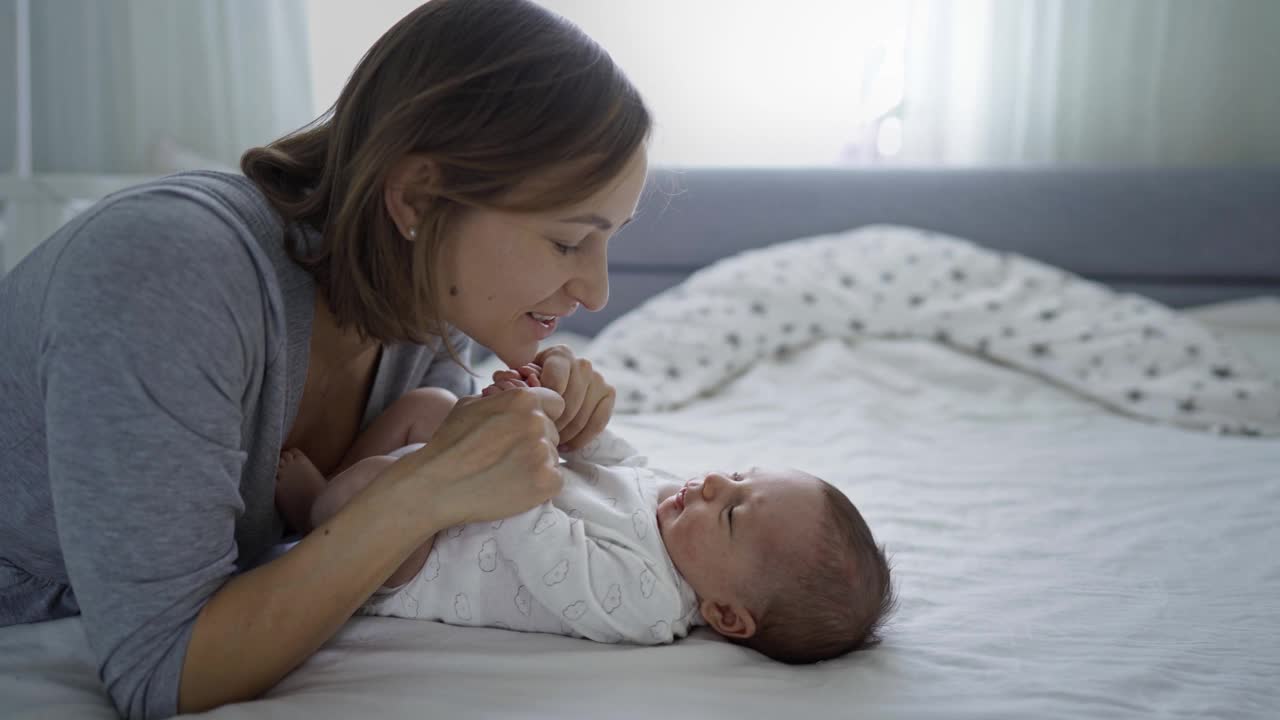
x: 516, y: 355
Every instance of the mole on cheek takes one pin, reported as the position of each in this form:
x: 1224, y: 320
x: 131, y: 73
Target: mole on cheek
x: 453, y: 290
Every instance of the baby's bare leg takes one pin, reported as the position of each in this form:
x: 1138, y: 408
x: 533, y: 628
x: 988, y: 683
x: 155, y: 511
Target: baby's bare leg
x: 348, y: 484
x: 413, y: 418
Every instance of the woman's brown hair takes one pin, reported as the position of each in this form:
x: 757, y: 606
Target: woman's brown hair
x: 493, y: 92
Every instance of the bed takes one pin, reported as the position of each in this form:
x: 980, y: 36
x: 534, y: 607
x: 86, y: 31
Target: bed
x: 1053, y: 557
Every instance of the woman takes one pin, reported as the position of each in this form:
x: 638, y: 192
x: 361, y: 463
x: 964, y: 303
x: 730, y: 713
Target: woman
x: 159, y: 351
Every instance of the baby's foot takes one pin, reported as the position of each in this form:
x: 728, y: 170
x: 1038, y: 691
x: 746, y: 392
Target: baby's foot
x: 296, y: 469
x: 298, y: 483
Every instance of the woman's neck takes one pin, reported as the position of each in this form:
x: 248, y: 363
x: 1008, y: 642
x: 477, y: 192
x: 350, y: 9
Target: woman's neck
x: 335, y: 346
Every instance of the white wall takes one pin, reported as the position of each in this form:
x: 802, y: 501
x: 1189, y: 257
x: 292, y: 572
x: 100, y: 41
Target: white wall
x: 722, y: 77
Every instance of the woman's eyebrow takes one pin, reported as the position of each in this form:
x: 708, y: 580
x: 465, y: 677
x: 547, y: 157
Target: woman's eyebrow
x: 595, y: 220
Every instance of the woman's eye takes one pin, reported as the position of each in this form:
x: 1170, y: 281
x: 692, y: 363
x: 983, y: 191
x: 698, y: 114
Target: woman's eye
x: 737, y: 477
x: 564, y: 249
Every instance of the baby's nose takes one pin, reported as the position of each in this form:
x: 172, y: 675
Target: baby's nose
x: 712, y: 484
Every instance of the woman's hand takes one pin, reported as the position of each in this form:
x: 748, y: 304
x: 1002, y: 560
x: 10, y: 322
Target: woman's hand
x: 588, y: 399
x: 492, y: 457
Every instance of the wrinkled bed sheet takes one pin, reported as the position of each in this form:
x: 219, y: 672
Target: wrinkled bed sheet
x: 1053, y: 560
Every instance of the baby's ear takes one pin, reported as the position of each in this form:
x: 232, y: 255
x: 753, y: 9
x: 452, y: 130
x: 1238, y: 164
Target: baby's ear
x: 730, y: 619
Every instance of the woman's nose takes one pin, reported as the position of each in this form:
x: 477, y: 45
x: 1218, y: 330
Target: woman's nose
x: 590, y: 286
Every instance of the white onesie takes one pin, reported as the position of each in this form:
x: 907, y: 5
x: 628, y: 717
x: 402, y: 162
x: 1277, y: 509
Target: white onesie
x: 588, y: 563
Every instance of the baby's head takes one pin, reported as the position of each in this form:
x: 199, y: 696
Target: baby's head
x: 781, y: 562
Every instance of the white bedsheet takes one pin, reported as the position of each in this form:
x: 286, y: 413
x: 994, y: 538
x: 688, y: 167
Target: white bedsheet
x: 1053, y: 561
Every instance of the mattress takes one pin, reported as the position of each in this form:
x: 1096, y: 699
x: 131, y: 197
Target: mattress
x: 1052, y: 560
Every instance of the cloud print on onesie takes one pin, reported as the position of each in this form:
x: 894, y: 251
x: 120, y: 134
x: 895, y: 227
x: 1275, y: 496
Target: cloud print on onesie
x: 588, y: 563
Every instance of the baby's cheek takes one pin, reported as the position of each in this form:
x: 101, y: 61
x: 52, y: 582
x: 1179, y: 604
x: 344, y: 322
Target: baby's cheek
x: 689, y: 551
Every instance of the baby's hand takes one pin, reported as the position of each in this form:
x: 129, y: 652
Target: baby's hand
x: 524, y: 377
x: 530, y: 373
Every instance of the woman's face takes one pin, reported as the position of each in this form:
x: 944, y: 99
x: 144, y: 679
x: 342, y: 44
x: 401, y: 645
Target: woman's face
x: 510, y: 276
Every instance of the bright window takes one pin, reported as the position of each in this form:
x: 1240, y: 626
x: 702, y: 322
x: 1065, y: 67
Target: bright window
x: 741, y: 82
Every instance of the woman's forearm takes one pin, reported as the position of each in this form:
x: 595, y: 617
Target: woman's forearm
x: 264, y: 623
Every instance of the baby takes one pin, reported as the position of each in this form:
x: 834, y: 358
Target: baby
x: 777, y: 560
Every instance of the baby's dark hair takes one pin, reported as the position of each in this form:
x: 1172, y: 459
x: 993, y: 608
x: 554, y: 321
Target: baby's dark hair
x: 834, y: 603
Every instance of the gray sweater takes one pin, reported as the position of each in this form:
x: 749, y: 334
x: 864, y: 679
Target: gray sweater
x: 152, y: 359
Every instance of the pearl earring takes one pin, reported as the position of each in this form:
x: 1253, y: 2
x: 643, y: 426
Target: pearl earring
x: 413, y: 234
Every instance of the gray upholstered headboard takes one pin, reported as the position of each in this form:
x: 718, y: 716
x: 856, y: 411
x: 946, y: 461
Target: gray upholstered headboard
x: 1180, y: 236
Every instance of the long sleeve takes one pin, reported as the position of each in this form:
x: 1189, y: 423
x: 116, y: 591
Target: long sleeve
x: 605, y: 589
x: 589, y: 562
x: 151, y: 329
x: 607, y: 448
x: 595, y: 558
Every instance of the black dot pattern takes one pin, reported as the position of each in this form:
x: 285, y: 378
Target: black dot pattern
x: 893, y: 283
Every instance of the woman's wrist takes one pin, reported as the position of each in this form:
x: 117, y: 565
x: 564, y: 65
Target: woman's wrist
x: 408, y: 496
x: 337, y: 566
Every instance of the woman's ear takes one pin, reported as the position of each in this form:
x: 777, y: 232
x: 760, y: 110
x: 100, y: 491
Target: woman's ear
x: 409, y: 185
x: 730, y: 619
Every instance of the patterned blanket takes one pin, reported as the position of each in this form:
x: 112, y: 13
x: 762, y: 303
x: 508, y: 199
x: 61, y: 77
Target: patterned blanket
x: 1125, y: 351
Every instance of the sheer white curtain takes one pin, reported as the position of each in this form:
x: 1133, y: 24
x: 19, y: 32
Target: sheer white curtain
x: 116, y: 84
x: 755, y: 82
x: 122, y: 89
x: 1147, y: 82
x: 752, y: 82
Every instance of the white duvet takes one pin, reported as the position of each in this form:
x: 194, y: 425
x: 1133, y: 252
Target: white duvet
x: 1053, y: 560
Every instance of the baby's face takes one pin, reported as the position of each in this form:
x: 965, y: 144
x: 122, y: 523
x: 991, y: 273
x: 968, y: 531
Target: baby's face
x: 723, y: 528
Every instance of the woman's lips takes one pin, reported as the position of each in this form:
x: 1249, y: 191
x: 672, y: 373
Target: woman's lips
x: 542, y: 329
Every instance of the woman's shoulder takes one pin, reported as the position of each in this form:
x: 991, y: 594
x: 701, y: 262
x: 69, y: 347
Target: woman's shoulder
x: 191, y: 196
x: 215, y: 221
x: 193, y: 242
